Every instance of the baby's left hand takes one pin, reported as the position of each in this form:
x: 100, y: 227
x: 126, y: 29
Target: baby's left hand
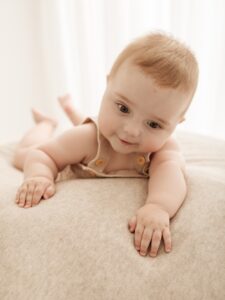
x: 150, y: 225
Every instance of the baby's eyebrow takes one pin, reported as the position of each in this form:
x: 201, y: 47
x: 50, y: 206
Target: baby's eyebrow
x: 123, y: 98
x: 161, y: 121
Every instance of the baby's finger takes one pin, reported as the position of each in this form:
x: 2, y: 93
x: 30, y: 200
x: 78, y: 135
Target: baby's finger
x: 138, y: 236
x: 38, y: 192
x: 17, y: 199
x: 132, y: 223
x: 22, y: 196
x: 145, y: 241
x: 156, y: 239
x: 50, y: 191
x: 167, y: 239
x: 29, y: 196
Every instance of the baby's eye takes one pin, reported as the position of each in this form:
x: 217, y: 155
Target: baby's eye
x: 153, y: 124
x: 124, y: 109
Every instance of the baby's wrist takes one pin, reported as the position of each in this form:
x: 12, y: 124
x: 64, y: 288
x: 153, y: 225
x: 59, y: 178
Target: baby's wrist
x: 160, y: 199
x: 156, y: 206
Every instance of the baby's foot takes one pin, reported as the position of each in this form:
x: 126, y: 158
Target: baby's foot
x: 66, y: 103
x: 40, y: 117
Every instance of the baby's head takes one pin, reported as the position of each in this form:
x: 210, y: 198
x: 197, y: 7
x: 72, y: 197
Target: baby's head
x: 149, y: 89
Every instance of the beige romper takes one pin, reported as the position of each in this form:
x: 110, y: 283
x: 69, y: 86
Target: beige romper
x: 96, y: 167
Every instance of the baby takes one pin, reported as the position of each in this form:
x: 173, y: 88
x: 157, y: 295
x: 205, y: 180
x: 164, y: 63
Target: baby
x: 149, y: 89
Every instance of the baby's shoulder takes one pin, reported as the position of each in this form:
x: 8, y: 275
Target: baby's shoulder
x: 81, y: 138
x: 89, y: 129
x: 170, y: 145
x: 169, y: 151
x: 89, y: 132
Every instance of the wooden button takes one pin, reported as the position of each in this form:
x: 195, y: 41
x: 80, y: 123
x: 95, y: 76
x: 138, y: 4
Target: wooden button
x: 99, y: 162
x: 92, y: 173
x: 141, y: 160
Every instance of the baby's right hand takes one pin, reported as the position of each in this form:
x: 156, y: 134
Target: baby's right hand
x: 33, y: 190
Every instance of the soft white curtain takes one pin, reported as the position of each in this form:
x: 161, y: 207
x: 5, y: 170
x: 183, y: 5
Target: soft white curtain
x: 92, y: 33
x: 74, y: 43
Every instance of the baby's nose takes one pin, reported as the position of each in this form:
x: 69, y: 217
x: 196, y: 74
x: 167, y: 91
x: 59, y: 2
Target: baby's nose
x: 131, y: 129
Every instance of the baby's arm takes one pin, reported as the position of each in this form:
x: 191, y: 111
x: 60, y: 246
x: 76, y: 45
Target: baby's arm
x: 166, y: 192
x: 167, y: 185
x: 43, y: 163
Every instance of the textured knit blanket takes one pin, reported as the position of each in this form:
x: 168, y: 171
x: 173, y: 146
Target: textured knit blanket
x: 76, y: 245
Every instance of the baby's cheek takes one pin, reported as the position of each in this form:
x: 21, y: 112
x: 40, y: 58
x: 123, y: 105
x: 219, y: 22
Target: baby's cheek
x: 154, y: 145
x: 104, y: 127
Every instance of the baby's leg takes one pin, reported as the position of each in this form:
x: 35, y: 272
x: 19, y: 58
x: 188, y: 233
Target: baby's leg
x: 40, y: 133
x: 67, y: 104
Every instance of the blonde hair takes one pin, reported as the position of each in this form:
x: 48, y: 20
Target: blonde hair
x: 169, y: 62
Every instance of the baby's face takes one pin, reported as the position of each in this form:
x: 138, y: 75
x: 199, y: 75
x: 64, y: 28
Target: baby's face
x: 136, y: 115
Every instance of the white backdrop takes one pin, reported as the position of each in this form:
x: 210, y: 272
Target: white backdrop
x: 49, y: 47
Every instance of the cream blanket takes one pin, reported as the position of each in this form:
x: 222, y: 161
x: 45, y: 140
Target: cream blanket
x: 77, y: 245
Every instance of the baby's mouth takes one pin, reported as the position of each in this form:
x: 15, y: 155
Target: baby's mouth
x: 126, y: 142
